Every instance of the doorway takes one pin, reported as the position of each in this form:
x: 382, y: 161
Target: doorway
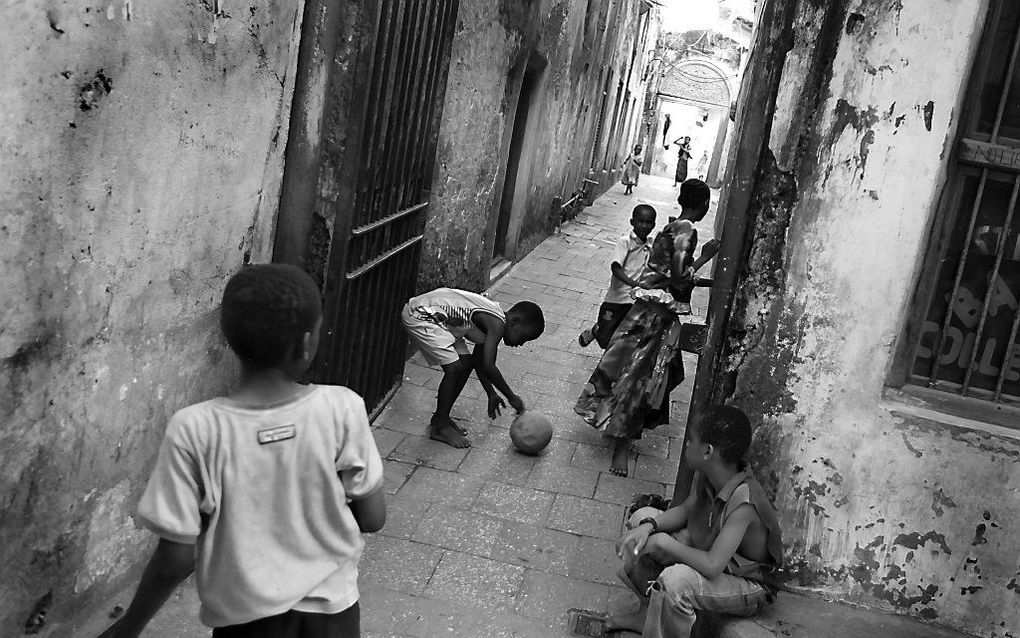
x: 516, y: 176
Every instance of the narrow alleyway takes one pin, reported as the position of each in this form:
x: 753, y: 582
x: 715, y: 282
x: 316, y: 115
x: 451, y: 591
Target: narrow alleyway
x: 486, y: 542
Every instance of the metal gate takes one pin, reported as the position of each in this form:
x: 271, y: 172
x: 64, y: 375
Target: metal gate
x: 386, y: 176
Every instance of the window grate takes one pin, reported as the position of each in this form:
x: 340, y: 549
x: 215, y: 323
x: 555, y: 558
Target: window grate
x: 966, y: 343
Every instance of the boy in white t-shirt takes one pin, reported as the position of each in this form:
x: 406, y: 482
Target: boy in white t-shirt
x: 630, y: 254
x: 264, y: 493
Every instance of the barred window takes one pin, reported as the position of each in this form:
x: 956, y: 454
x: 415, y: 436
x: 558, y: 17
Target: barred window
x: 963, y: 337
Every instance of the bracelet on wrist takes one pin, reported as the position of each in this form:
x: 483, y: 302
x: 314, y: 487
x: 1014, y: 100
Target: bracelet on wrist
x: 651, y: 521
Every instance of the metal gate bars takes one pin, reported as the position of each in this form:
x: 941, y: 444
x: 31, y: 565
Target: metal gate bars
x: 400, y: 87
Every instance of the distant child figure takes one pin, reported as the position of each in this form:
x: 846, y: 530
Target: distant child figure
x: 632, y: 170
x: 439, y: 323
x: 630, y: 255
x: 264, y: 493
x: 683, y: 156
x: 716, y: 551
x: 702, y: 165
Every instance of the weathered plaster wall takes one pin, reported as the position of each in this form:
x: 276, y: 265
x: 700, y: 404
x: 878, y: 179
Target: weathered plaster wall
x: 141, y: 153
x: 878, y: 507
x: 494, y: 39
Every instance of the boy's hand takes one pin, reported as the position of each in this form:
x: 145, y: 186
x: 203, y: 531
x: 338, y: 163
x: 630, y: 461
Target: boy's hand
x: 633, y: 541
x: 495, y: 403
x: 516, y: 403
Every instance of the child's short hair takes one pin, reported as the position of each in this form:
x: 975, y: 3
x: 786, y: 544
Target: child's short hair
x: 694, y: 193
x: 728, y: 429
x: 530, y: 313
x: 642, y: 208
x: 266, y: 310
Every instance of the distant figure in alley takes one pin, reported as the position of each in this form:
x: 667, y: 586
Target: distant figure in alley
x: 439, y: 324
x: 264, y: 493
x: 632, y: 169
x: 716, y: 551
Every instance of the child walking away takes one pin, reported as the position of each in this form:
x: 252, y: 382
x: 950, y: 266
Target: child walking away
x: 629, y: 258
x: 716, y: 551
x: 439, y: 324
x: 264, y: 493
x: 632, y: 170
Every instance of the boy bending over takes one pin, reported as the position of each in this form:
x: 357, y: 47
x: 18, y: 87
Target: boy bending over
x: 439, y: 323
x: 715, y: 551
x: 264, y: 493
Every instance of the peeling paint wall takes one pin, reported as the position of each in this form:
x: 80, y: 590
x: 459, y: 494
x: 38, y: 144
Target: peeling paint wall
x: 878, y: 506
x: 141, y: 151
x: 579, y: 41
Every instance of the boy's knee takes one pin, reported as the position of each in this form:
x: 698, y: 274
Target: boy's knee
x: 680, y: 581
x: 644, y: 512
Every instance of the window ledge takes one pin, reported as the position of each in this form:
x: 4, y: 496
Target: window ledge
x: 952, y: 410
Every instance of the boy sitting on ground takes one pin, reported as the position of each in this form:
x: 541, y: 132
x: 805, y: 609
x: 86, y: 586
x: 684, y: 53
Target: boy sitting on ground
x: 715, y: 551
x: 264, y: 493
x: 630, y: 254
x: 439, y: 323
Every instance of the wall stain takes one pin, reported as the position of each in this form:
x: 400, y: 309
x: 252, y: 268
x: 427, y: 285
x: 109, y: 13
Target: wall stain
x: 915, y: 540
x: 939, y: 501
x: 929, y: 111
x: 93, y: 91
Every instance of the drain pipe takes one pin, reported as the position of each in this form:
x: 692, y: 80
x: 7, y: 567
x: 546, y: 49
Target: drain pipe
x: 753, y: 129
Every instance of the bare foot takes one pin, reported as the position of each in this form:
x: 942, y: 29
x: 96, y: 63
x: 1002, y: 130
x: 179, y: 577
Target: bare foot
x: 450, y: 422
x: 631, y: 621
x: 621, y: 452
x: 448, y: 434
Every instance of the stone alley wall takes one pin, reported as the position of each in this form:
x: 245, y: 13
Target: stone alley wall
x: 141, y: 149
x: 846, y: 122
x: 562, y: 54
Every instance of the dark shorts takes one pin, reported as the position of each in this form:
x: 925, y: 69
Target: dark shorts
x: 610, y: 316
x: 298, y: 624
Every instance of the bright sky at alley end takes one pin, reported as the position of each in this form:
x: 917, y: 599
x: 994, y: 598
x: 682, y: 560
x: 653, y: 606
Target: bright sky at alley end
x: 687, y: 15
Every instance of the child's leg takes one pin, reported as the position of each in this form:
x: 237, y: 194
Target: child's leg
x: 455, y: 376
x: 621, y: 454
x: 680, y: 590
x: 637, y: 574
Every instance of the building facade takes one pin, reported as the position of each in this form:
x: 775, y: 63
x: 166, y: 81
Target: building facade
x: 865, y: 311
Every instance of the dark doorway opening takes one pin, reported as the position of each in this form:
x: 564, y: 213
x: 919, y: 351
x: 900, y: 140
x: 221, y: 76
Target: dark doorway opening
x: 522, y: 114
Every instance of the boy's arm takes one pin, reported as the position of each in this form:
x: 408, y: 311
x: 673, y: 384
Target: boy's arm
x: 370, y: 511
x: 667, y: 550
x: 672, y: 520
x: 621, y: 274
x: 170, y: 564
x: 485, y: 360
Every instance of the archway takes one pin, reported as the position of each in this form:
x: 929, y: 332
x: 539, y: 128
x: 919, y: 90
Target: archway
x: 693, y: 100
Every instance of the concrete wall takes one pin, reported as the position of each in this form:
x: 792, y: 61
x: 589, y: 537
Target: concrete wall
x: 141, y: 152
x: 880, y: 503
x: 491, y: 50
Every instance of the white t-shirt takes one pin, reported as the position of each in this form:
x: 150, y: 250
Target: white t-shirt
x: 631, y: 253
x: 453, y: 310
x: 263, y: 492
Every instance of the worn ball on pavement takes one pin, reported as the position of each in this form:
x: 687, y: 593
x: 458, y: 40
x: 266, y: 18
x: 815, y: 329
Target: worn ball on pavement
x: 531, y: 432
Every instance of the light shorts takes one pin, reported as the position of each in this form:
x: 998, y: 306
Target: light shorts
x: 438, y: 346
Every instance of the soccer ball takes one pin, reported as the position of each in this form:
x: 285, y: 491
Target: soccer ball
x: 530, y: 432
